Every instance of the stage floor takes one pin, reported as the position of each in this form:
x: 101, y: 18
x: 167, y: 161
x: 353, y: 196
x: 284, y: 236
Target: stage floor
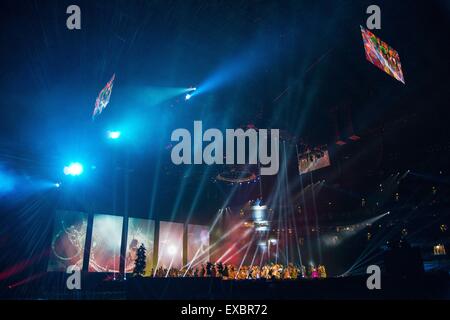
x: 94, y: 286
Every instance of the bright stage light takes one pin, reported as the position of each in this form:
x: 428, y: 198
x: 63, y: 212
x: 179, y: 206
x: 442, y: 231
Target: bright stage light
x: 57, y: 185
x: 259, y: 212
x: 74, y: 169
x: 273, y: 241
x: 188, y: 96
x: 114, y: 134
x: 172, y: 250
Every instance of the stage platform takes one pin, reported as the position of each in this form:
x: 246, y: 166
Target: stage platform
x: 101, y: 286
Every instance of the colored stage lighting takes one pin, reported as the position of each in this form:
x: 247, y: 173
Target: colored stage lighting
x: 114, y: 134
x: 57, y: 185
x: 74, y: 169
x: 188, y: 96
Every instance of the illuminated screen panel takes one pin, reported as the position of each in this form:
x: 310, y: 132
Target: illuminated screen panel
x: 105, y: 245
x: 198, y: 244
x: 311, y: 162
x: 260, y: 219
x: 68, y: 241
x: 140, y: 231
x: 381, y: 55
x: 170, y: 247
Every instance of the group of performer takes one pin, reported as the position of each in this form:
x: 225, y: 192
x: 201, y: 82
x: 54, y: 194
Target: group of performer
x: 229, y: 272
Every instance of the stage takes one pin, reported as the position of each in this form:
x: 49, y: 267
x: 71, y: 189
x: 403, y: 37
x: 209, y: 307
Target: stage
x: 96, y: 287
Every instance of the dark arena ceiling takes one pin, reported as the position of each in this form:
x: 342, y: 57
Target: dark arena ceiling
x: 298, y: 66
x: 301, y: 68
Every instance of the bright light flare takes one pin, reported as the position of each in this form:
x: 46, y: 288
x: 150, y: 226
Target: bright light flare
x: 74, y: 169
x: 114, y: 134
x: 172, y: 250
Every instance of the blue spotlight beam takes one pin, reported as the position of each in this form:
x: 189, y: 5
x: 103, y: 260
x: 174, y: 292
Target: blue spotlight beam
x: 251, y: 60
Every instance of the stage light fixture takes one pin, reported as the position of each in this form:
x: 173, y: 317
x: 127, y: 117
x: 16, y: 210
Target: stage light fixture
x: 188, y: 96
x: 73, y: 169
x: 114, y: 135
x: 57, y: 184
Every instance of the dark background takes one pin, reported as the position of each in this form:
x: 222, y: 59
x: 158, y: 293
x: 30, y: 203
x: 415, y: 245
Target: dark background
x: 301, y: 67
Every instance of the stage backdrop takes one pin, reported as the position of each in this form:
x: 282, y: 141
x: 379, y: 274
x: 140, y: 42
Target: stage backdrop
x: 170, y: 247
x: 140, y: 231
x: 105, y: 245
x: 197, y: 244
x: 68, y: 241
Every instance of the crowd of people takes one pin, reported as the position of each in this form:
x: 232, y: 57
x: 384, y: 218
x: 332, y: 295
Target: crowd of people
x: 229, y: 272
